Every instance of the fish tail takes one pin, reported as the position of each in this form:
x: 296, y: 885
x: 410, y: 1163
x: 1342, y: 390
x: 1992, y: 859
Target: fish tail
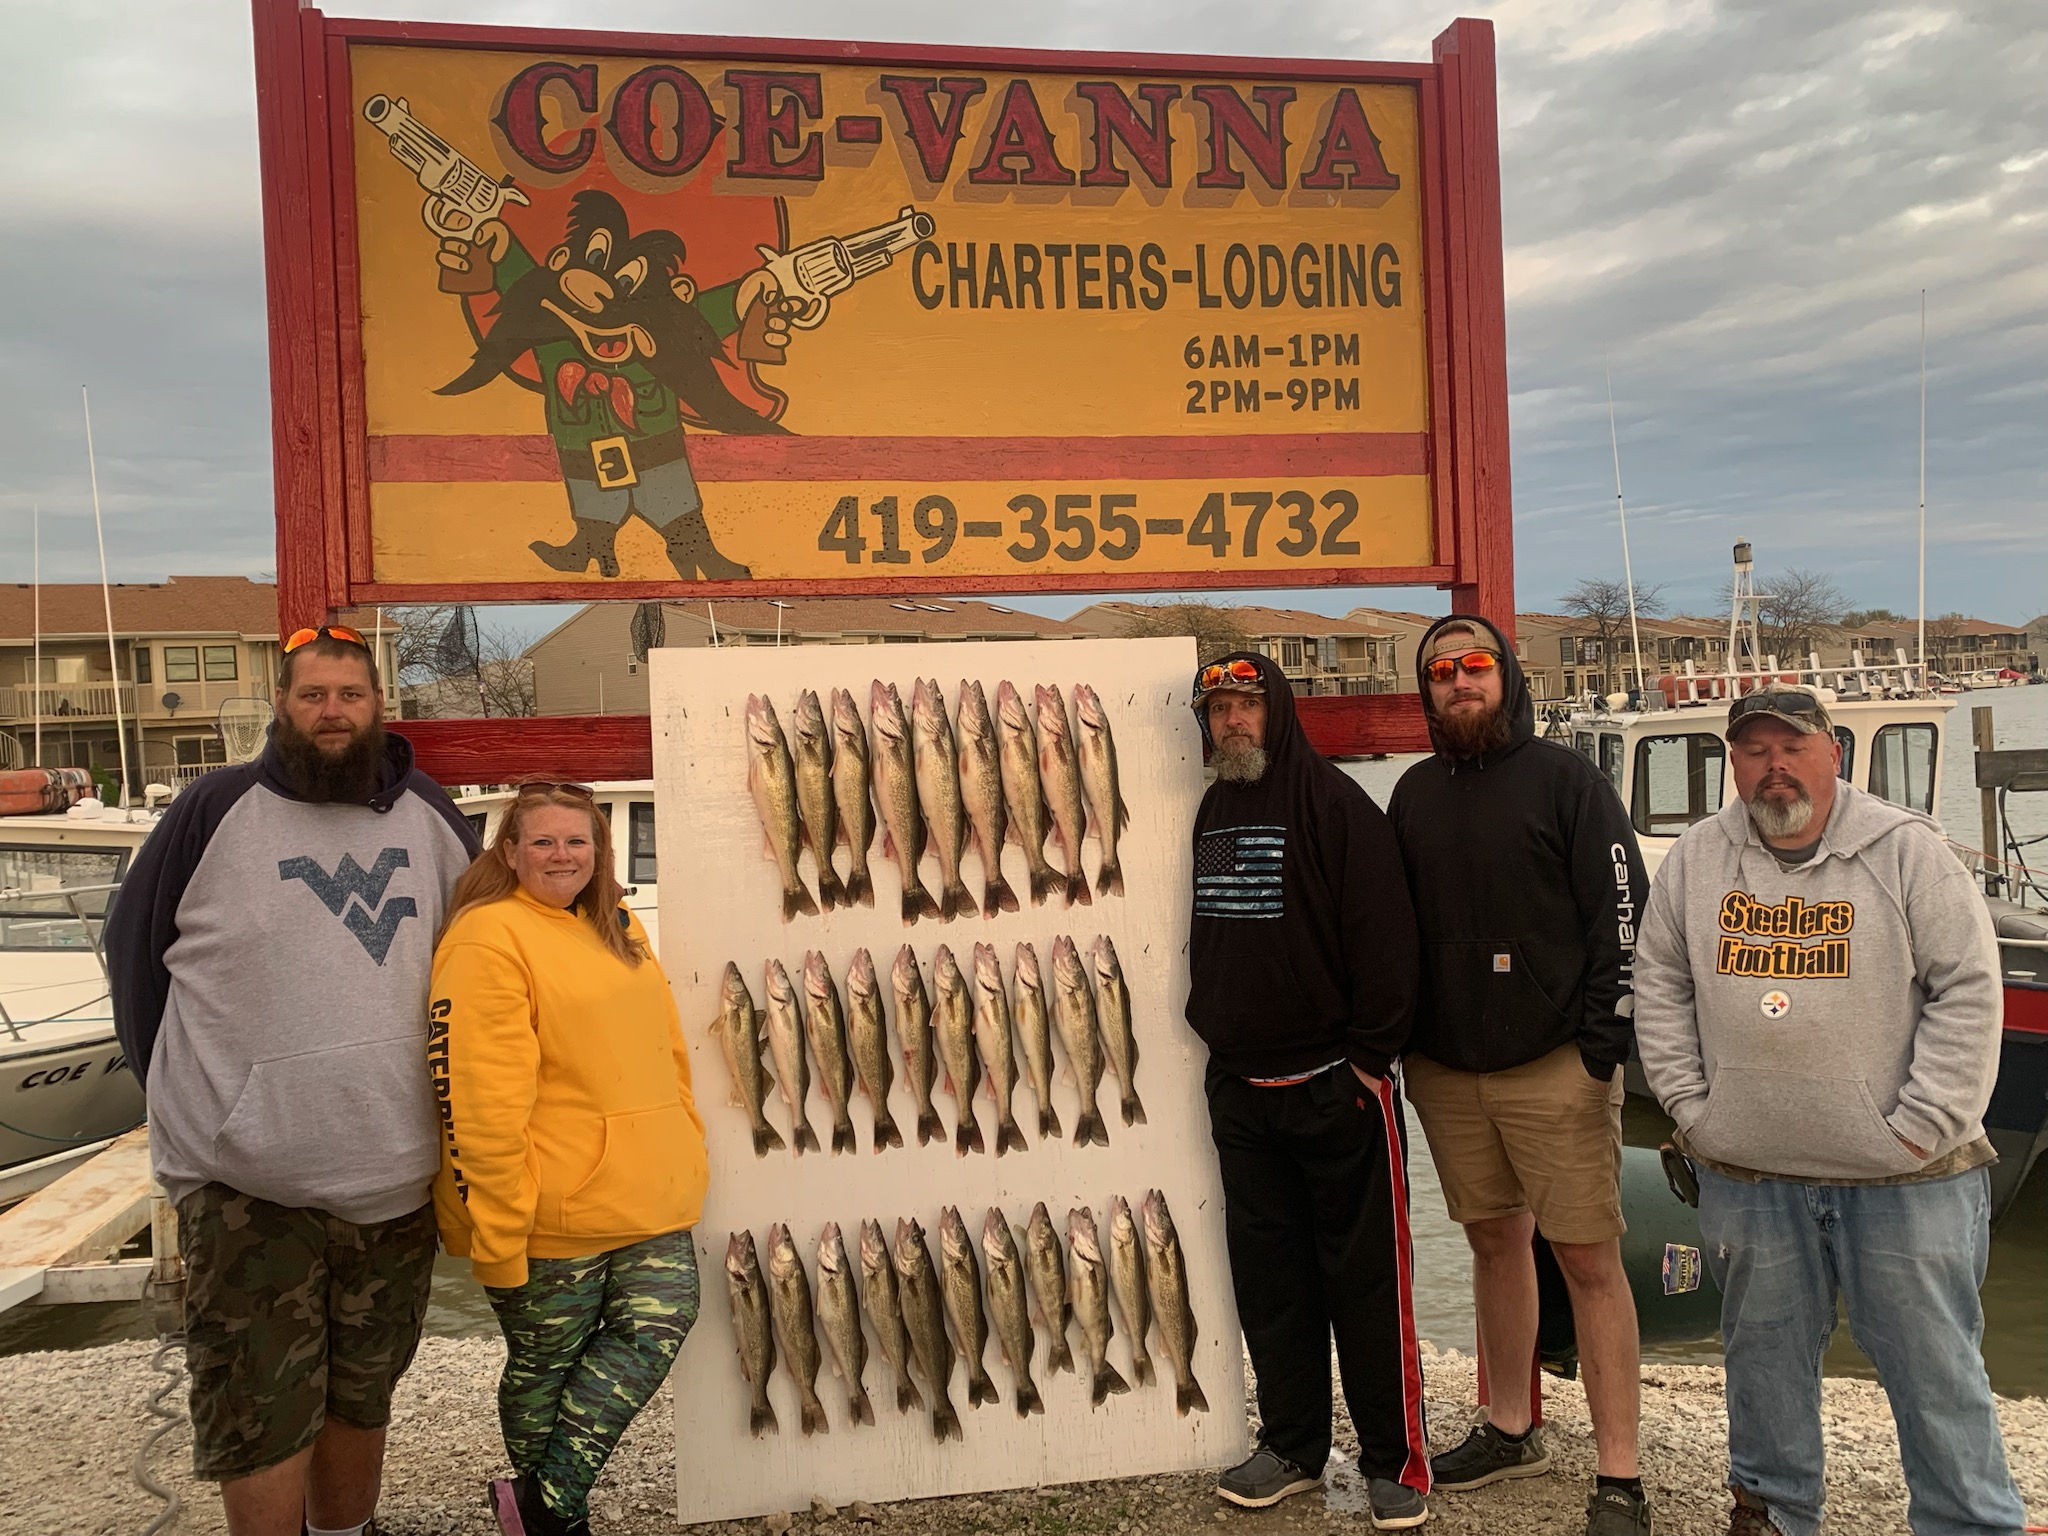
x: 815, y: 1422
x: 1077, y: 887
x: 1028, y: 1400
x: 766, y: 1139
x: 1188, y: 1394
x: 797, y: 898
x: 997, y: 896
x: 860, y: 888
x: 1048, y: 1123
x: 981, y: 1390
x: 968, y: 1139
x: 945, y: 1422
x: 1111, y: 881
x: 886, y: 1134
x: 1090, y: 1129
x: 917, y: 902
x: 1045, y: 883
x: 1134, y: 1111
x: 763, y: 1418
x: 907, y: 1395
x: 861, y: 1406
x: 956, y: 901
x: 806, y: 1138
x: 842, y: 1136
x: 830, y: 892
x: 1010, y: 1135
x: 1141, y: 1366
x: 930, y: 1127
x: 1107, y: 1380
x: 1061, y: 1355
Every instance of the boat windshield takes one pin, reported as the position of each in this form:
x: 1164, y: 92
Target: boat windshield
x: 1902, y: 765
x: 33, y: 911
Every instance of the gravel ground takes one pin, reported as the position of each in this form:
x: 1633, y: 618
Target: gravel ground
x: 70, y: 1424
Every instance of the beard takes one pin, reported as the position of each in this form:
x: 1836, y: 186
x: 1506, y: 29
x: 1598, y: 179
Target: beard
x: 1238, y: 762
x: 1474, y: 732
x: 1779, y: 819
x: 347, y: 777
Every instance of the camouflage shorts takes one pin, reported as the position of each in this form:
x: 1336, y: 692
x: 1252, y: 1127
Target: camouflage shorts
x: 293, y: 1315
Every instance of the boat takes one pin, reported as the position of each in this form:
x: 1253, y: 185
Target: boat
x: 628, y: 804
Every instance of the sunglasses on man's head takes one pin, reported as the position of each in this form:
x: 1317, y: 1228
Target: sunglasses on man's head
x: 1441, y: 669
x: 1219, y: 674
x: 1785, y: 701
x: 301, y: 637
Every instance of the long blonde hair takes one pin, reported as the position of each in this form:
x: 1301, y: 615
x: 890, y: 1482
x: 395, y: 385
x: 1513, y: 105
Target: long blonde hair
x: 600, y: 903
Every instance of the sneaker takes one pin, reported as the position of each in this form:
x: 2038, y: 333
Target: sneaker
x: 1487, y: 1456
x: 1750, y: 1517
x: 1265, y: 1479
x: 1395, y: 1506
x: 1617, y: 1512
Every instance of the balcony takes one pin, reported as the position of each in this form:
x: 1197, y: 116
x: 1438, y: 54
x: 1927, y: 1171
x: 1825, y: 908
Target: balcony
x: 65, y: 701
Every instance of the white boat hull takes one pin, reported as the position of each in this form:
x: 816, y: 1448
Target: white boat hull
x: 59, y: 1096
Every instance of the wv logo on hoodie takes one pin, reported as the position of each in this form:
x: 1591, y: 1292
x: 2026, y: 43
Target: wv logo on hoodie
x: 373, y: 929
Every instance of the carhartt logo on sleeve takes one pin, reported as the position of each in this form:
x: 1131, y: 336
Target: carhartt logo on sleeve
x: 1237, y: 872
x: 374, y: 929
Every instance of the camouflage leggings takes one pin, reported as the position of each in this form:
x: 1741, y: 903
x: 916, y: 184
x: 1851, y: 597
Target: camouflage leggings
x: 588, y: 1344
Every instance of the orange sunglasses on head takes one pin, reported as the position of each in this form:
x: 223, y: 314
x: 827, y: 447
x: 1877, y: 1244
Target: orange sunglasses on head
x: 301, y: 637
x: 1441, y: 669
x: 1220, y: 673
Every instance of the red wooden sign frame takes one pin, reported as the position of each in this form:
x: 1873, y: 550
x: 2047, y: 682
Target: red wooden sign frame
x: 319, y: 441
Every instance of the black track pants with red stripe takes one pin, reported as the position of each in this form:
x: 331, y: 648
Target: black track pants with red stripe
x: 1315, y: 1190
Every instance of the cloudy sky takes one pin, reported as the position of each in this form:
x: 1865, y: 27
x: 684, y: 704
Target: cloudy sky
x: 1734, y: 207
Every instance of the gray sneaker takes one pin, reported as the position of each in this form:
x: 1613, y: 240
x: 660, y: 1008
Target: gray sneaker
x: 1395, y: 1506
x: 1487, y: 1456
x: 1617, y: 1512
x: 1265, y: 1479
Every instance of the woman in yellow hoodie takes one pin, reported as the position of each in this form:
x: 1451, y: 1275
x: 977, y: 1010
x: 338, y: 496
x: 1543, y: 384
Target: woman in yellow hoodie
x: 573, y: 1160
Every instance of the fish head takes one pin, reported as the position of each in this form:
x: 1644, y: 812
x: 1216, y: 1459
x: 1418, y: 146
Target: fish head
x: 973, y: 702
x: 928, y: 711
x: 782, y: 1257
x: 1081, y: 1236
x: 763, y: 729
x: 733, y: 991
x: 860, y: 975
x: 1159, y: 1232
x: 831, y: 1250
x: 846, y: 725
x: 739, y: 1256
x: 1122, y: 1229
x: 1025, y: 968
x: 946, y: 970
x: 1104, y: 954
x: 1010, y: 709
x: 909, y: 1244
x: 1066, y: 965
x: 953, y: 1240
x: 885, y: 710
x: 988, y: 974
x: 904, y: 972
x: 776, y: 981
x: 808, y: 721
x: 1052, y: 714
x: 817, y: 976
x: 1088, y: 709
x: 874, y: 1249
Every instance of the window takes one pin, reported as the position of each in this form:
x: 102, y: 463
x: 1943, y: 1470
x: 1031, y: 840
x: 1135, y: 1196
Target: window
x: 1567, y: 650
x: 1847, y: 740
x: 1611, y: 758
x: 640, y: 867
x: 1902, y: 766
x: 1571, y: 685
x: 477, y: 821
x: 142, y: 670
x: 32, y: 917
x: 1326, y: 653
x: 1290, y: 655
x: 220, y: 663
x: 1587, y: 744
x: 181, y: 663
x: 195, y: 751
x: 1679, y: 780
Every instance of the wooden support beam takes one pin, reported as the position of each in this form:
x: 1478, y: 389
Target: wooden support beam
x: 68, y: 1284
x: 86, y: 1216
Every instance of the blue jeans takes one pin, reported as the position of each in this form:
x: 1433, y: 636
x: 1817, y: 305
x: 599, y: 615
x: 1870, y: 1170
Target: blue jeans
x: 1908, y: 1259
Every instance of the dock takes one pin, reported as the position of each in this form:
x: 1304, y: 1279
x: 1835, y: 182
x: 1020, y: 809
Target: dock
x: 61, y: 1243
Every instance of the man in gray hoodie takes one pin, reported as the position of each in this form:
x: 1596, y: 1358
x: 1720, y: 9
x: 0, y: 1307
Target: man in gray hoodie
x: 1817, y: 1007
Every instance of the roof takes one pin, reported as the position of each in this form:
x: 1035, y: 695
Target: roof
x: 183, y: 605
x: 1944, y: 624
x: 1255, y: 620
x: 934, y: 617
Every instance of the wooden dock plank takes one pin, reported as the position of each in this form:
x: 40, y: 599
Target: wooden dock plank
x: 85, y: 1216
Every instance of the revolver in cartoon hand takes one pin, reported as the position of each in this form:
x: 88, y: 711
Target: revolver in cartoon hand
x: 813, y: 274
x: 461, y: 195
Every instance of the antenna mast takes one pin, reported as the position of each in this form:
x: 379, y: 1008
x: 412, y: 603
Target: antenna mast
x: 1923, y: 487
x: 1635, y: 638
x: 36, y: 690
x: 106, y: 597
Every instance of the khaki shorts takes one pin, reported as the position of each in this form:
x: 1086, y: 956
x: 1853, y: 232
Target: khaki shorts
x: 1543, y: 1137
x: 293, y: 1317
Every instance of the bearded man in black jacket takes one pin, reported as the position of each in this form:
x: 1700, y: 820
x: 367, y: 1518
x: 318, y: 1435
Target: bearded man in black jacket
x: 1303, y: 968
x: 1527, y: 883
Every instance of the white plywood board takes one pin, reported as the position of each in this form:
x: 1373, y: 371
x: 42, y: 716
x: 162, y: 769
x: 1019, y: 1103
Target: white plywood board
x: 720, y: 900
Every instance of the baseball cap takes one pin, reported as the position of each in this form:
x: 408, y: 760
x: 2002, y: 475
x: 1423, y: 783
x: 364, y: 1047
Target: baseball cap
x: 1799, y: 708
x: 1235, y: 676
x: 1459, y: 640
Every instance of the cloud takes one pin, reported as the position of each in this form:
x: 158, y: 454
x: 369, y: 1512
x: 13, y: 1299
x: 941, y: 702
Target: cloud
x: 1732, y: 206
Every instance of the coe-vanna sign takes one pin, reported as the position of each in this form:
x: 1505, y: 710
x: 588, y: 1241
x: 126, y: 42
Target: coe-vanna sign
x: 574, y: 315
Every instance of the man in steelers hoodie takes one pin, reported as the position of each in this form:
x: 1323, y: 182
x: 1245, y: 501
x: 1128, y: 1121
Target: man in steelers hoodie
x: 1527, y: 883
x: 1302, y: 968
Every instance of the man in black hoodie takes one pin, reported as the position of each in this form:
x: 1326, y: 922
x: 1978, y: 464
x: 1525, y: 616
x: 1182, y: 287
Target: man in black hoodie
x: 1527, y: 882
x: 1303, y: 968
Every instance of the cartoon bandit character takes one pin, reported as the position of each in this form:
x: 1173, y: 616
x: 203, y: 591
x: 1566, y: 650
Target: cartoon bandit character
x: 627, y: 346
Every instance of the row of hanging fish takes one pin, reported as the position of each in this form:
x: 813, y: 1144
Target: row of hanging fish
x: 922, y: 1314
x: 978, y: 1030
x: 939, y: 782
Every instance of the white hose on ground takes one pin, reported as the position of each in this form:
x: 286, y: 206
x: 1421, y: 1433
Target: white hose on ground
x: 174, y: 1377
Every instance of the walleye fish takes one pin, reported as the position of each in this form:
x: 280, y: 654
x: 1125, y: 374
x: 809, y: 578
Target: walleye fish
x: 885, y: 1312
x: 786, y: 1045
x: 1117, y: 1035
x: 981, y: 789
x: 953, y: 1027
x: 851, y: 796
x: 1034, y: 1028
x: 1048, y: 1266
x: 750, y: 1325
x: 1009, y: 1308
x: 868, y: 1034
x: 812, y: 753
x: 1107, y: 813
x: 789, y: 1299
x: 961, y: 1283
x: 839, y: 1311
x: 1089, y: 1286
x: 930, y: 1350
x: 1060, y: 774
x: 914, y: 1029
x: 738, y: 1027
x: 895, y: 774
x: 938, y: 791
x: 1127, y: 1280
x: 997, y: 1045
x: 1166, y: 1277
x: 825, y: 1028
x: 1023, y: 796
x: 772, y: 778
x: 1073, y: 1007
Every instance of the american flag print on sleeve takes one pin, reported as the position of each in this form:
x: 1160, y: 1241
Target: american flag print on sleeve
x: 1237, y: 872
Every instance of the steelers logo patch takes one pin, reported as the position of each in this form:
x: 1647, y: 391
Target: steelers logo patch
x: 1774, y: 1005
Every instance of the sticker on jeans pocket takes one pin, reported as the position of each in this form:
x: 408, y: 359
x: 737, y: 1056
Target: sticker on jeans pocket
x: 1681, y: 1269
x: 1502, y: 964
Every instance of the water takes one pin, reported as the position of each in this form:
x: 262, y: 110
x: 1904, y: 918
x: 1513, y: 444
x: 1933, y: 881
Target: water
x: 2015, y: 1340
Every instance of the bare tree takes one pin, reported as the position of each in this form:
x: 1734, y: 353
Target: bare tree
x: 1602, y: 603
x: 501, y: 683
x: 1216, y: 630
x: 1797, y: 611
